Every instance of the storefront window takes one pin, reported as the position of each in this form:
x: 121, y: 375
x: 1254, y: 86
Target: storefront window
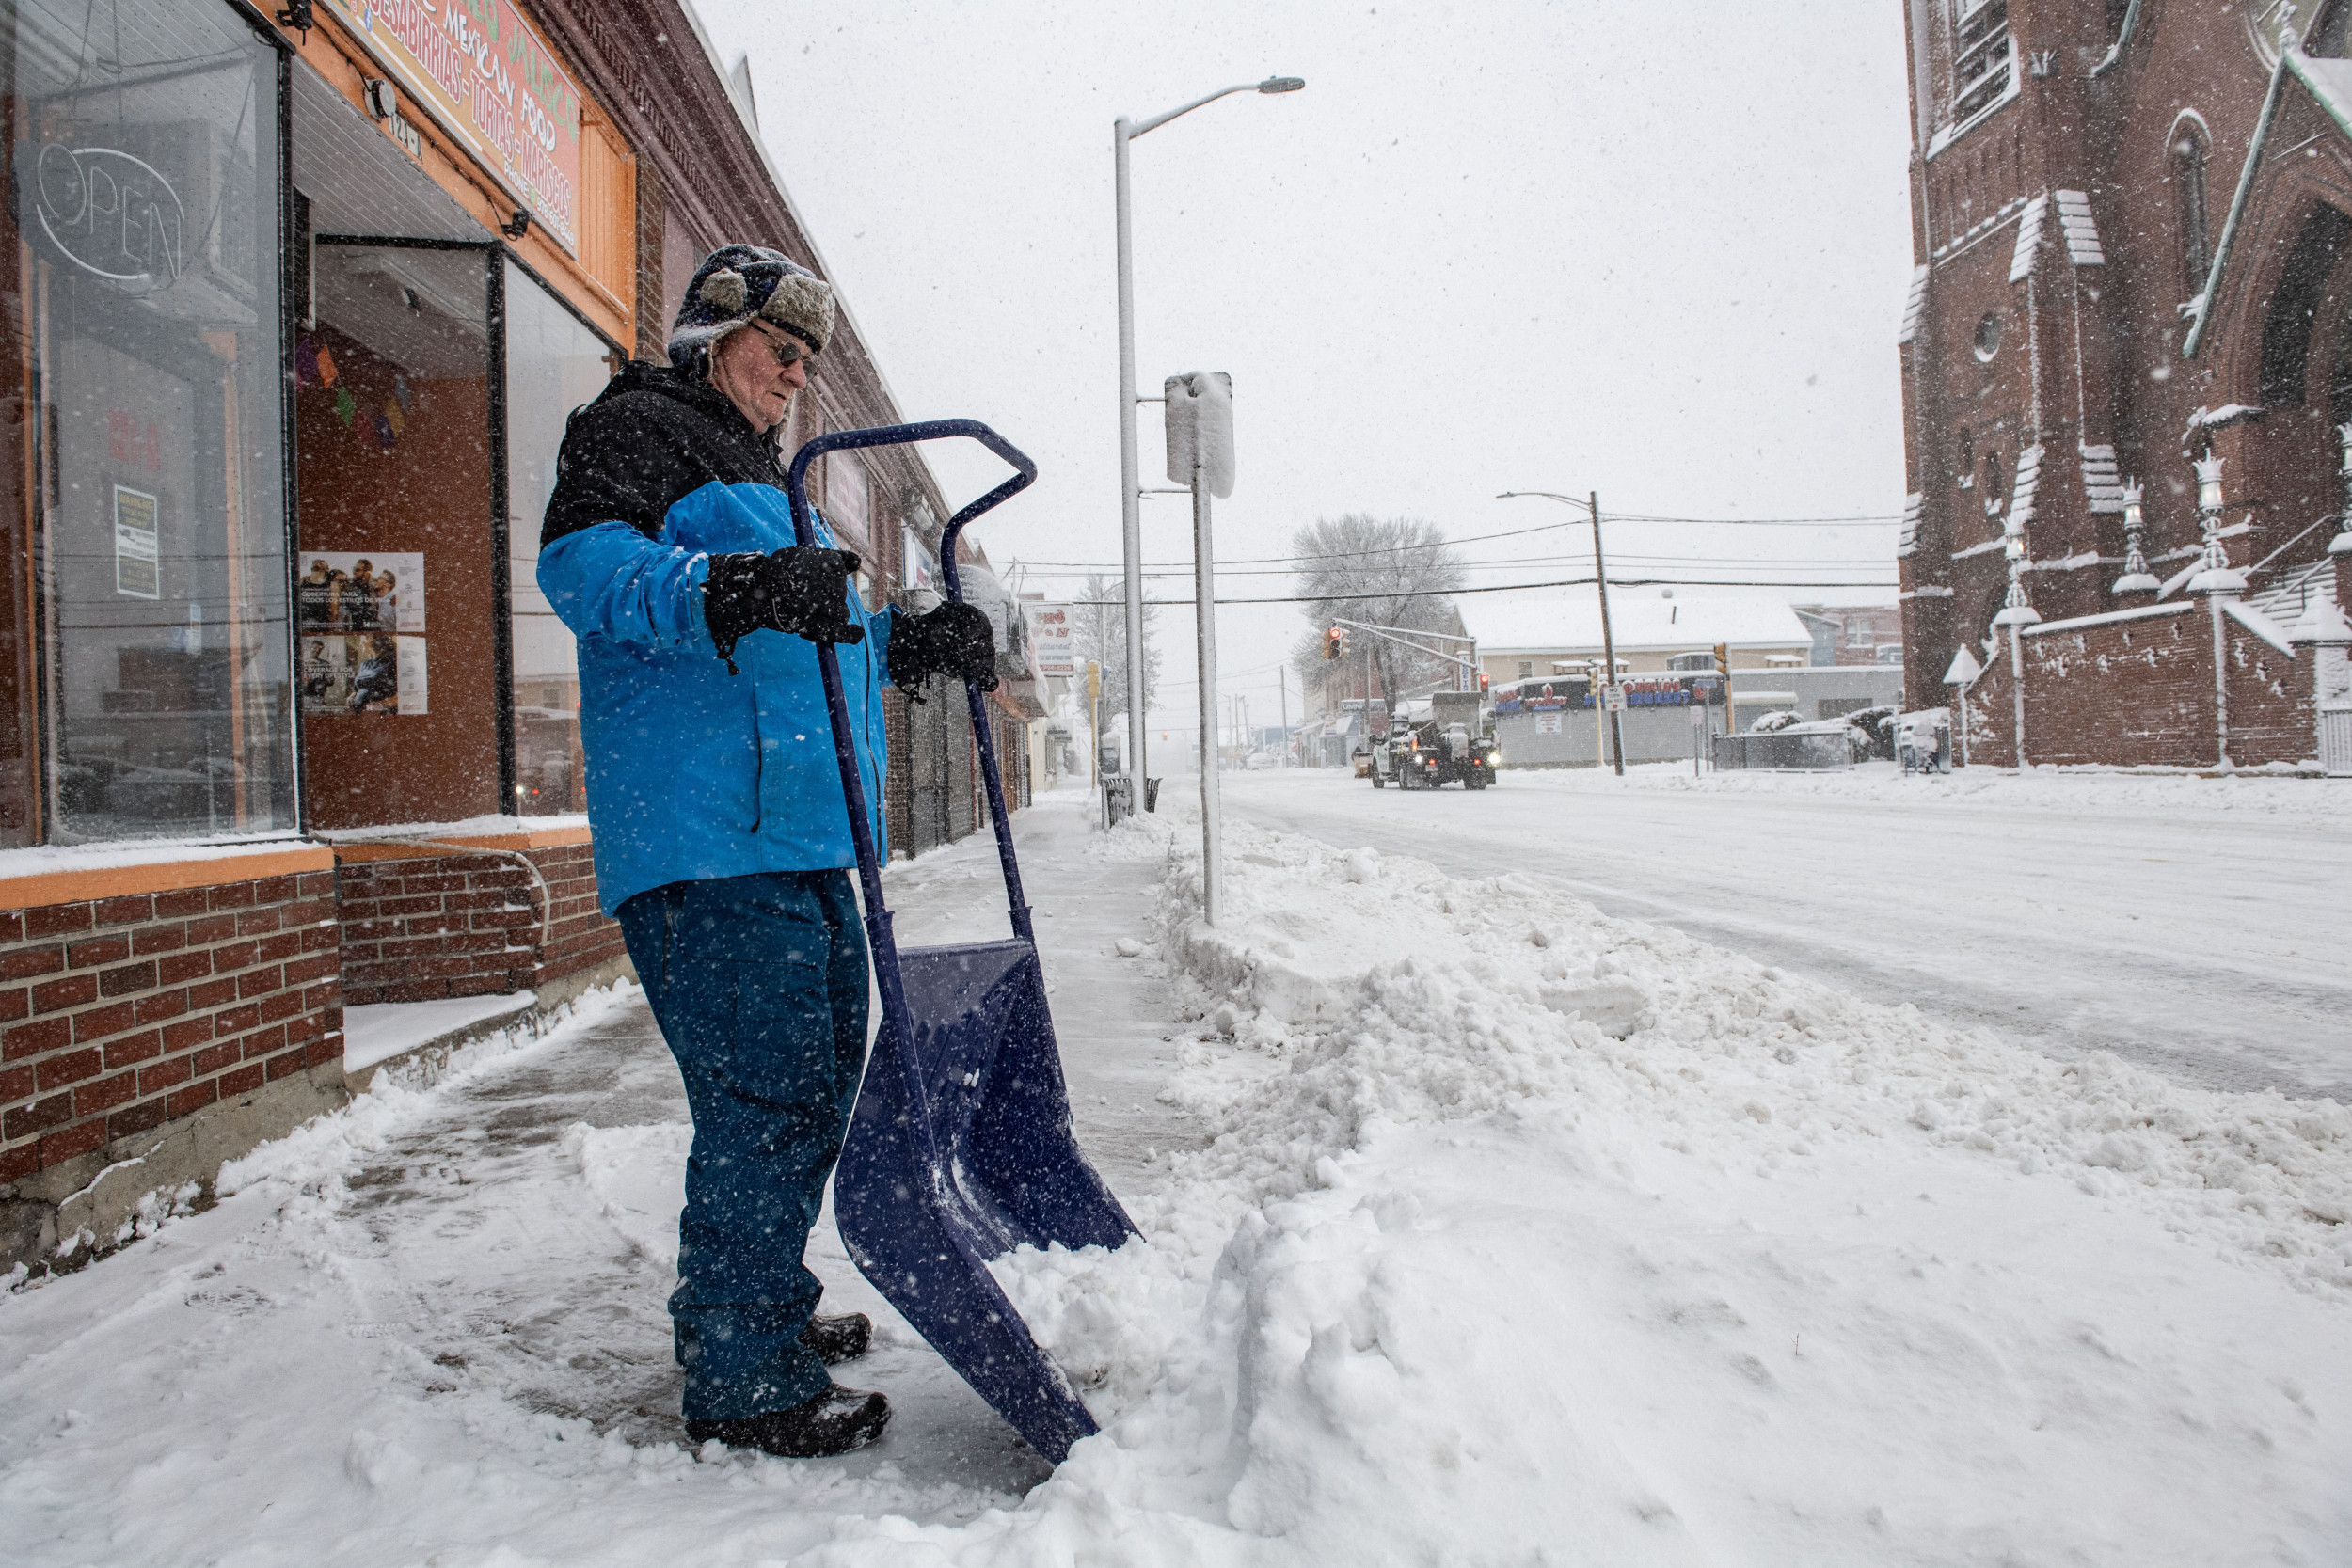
x: 397, y: 597
x: 143, y: 193
x: 553, y: 366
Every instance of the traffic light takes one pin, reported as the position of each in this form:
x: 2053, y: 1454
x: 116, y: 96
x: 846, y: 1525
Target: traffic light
x: 1334, y: 642
x: 1723, y: 661
x: 1483, y: 683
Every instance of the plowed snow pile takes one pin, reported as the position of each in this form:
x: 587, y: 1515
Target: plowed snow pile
x: 1532, y: 1236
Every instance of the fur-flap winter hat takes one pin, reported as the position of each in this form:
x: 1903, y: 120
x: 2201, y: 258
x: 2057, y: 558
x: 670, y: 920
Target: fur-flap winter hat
x: 736, y: 283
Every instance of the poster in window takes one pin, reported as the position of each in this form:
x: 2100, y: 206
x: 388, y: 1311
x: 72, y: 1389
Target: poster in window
x: 360, y: 590
x: 323, y: 673
x: 361, y: 672
x: 374, y: 659
x: 138, y: 569
x: 1548, y: 723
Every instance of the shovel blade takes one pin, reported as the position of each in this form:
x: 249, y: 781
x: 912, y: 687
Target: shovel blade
x: 960, y: 1150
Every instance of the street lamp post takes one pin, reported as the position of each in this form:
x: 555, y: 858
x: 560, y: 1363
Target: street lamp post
x: 1130, y: 517
x: 1608, y: 639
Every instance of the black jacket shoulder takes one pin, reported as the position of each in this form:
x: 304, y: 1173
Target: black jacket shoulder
x: 653, y: 436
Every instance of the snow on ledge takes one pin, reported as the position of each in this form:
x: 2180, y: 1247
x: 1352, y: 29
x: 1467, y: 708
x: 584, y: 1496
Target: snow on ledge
x: 490, y: 825
x: 2260, y: 625
x: 2029, y: 239
x: 42, y: 860
x: 1914, y: 307
x: 2141, y: 612
x: 380, y: 1031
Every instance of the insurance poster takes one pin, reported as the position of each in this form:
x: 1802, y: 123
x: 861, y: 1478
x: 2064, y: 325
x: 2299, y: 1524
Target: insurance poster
x: 360, y: 619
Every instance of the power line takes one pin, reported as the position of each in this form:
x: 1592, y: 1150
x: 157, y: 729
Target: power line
x: 1506, y: 533
x: 1790, y: 564
x: 1561, y: 582
x: 1857, y: 520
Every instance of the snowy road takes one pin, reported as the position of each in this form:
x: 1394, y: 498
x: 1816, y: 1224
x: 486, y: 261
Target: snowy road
x: 2191, y: 924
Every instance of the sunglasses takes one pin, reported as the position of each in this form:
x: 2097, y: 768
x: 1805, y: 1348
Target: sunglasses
x: 787, y: 350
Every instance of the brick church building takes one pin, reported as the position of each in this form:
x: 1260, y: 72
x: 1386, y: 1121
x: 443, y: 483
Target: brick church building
x: 2127, y: 379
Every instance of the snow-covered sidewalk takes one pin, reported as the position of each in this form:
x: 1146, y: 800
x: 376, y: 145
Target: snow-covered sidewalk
x: 1525, y: 1235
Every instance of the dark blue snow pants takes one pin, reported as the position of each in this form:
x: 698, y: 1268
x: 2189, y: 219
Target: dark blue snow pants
x: 759, y: 985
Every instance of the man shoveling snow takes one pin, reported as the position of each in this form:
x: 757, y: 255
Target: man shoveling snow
x: 721, y: 828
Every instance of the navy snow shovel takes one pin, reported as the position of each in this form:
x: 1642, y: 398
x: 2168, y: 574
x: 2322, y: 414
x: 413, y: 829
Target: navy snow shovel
x: 960, y: 1147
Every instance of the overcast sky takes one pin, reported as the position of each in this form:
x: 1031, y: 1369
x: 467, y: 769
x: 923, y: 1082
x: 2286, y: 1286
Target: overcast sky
x: 1659, y: 252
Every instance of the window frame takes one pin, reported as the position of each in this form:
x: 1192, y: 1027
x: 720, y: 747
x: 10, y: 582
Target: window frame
x: 1995, y: 43
x: 496, y: 255
x: 38, y: 453
x: 2189, y: 173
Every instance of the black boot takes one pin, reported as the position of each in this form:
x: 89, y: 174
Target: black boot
x: 835, y: 1421
x: 839, y: 1340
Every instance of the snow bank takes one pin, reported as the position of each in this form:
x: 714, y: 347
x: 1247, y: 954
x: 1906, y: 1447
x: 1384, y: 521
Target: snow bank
x: 1535, y: 1236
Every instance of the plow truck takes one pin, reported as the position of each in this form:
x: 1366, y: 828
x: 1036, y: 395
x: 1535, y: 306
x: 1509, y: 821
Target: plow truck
x: 1447, y: 739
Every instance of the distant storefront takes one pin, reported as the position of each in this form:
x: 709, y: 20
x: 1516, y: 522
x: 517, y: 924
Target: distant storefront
x: 297, y: 305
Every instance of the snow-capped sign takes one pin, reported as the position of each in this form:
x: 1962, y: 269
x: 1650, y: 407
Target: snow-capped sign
x: 918, y: 569
x: 1199, y: 411
x: 491, y: 80
x: 1052, y: 630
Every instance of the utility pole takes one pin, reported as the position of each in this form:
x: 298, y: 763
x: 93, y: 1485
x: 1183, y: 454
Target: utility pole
x: 1607, y: 642
x: 1124, y: 131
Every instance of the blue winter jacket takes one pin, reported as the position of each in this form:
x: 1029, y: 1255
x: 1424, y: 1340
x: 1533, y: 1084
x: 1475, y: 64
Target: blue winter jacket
x: 692, y: 772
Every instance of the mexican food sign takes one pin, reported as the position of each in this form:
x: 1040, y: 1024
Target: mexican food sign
x: 491, y: 80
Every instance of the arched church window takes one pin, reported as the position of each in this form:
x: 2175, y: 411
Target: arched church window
x: 2188, y: 179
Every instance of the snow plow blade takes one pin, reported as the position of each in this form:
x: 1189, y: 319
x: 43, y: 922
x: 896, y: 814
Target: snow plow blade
x: 961, y: 1146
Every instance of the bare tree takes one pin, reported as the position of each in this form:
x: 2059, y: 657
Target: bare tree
x: 1386, y: 572
x: 1100, y: 633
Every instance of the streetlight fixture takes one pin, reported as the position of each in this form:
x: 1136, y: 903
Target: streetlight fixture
x: 1608, y: 639
x: 1131, y: 521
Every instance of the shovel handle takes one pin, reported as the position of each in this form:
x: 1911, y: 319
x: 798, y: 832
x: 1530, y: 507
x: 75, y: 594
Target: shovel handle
x: 836, y: 701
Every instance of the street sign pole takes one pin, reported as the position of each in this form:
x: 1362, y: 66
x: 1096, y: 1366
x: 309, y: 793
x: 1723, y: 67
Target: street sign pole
x: 1608, y: 640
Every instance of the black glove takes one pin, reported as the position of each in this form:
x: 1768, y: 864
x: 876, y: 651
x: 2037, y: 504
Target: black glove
x: 953, y: 639
x: 803, y: 590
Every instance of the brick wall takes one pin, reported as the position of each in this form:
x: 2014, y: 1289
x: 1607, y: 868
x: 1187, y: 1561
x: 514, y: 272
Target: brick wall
x: 439, y: 924
x: 120, y: 1014
x: 578, y: 935
x: 2139, y: 693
